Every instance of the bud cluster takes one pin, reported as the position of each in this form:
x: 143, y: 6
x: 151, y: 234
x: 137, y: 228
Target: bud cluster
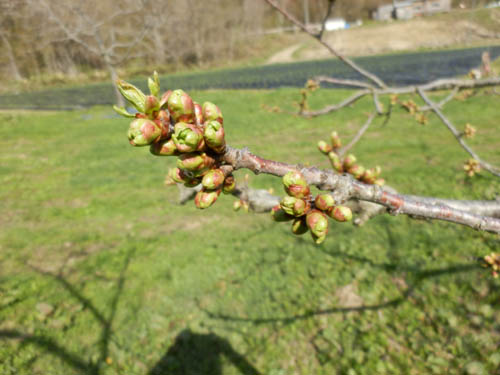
x: 348, y: 164
x: 410, y: 106
x: 493, y: 261
x: 306, y: 213
x: 469, y: 131
x: 471, y: 167
x: 310, y: 86
x: 172, y: 124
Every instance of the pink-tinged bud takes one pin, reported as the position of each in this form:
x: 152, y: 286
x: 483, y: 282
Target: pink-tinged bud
x: 294, y: 206
x: 154, y: 84
x: 214, y: 136
x: 212, y: 112
x: 299, y: 226
x: 341, y: 213
x: 143, y: 132
x: 336, y: 142
x: 169, y: 181
x: 213, y: 179
x: 380, y: 182
x: 349, y: 161
x: 187, y: 137
x: 163, y: 120
x: 298, y: 191
x: 164, y: 148
x: 164, y: 99
x: 369, y: 176
x: 192, y: 161
x: 123, y: 112
x: 296, y: 185
x: 317, y: 223
x: 198, y: 114
x: 357, y: 171
x: 237, y: 205
x: 324, y: 202
x: 151, y: 105
x: 176, y: 175
x: 324, y: 147
x: 335, y: 162
x: 133, y: 95
x: 229, y: 185
x: 205, y: 199
x: 279, y: 215
x: 181, y: 107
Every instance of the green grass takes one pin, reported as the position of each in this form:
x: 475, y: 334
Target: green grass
x: 101, y: 272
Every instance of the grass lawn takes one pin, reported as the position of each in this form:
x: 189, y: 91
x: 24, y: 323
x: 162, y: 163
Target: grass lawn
x: 101, y: 272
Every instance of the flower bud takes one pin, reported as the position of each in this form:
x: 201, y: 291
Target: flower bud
x: 349, y: 161
x: 154, y: 84
x: 151, y: 105
x: 341, y: 213
x: 212, y: 112
x: 192, y: 161
x: 296, y: 185
x: 123, y: 112
x: 236, y: 205
x: 377, y: 170
x: 369, y: 176
x: 177, y: 175
x: 324, y: 202
x: 164, y: 148
x: 279, y: 215
x: 187, y: 137
x: 379, y: 182
x: 181, y: 107
x: 164, y: 99
x: 317, y: 223
x: 214, y: 136
x: 198, y: 114
x: 143, y: 132
x: 324, y: 147
x: 213, y: 179
x: 133, y: 95
x: 357, y: 171
x: 229, y: 185
x: 205, y: 199
x: 299, y: 226
x: 163, y: 120
x: 335, y: 162
x: 295, y: 206
x: 246, y: 206
x: 336, y: 142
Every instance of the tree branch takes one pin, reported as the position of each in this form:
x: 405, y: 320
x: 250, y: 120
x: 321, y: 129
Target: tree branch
x: 357, y: 137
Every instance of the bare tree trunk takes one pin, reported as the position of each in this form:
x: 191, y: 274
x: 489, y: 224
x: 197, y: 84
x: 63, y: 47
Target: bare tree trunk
x: 15, y: 74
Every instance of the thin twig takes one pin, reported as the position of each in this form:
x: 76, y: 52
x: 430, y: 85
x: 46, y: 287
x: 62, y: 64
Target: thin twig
x: 458, y: 135
x: 335, y: 107
x: 358, y: 136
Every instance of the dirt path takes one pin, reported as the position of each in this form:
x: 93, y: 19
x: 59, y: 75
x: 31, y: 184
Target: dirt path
x: 284, y: 55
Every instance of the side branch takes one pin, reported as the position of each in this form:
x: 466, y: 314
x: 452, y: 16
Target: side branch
x: 344, y: 187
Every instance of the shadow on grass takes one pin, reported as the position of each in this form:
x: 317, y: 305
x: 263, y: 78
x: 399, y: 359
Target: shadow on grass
x: 106, y: 322
x: 194, y: 353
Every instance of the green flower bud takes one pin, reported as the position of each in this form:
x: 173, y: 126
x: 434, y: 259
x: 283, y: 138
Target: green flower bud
x: 236, y: 205
x: 198, y: 114
x: 294, y: 178
x: 324, y: 202
x: 377, y: 170
x: 151, y: 105
x: 205, y: 199
x: 213, y: 179
x: 357, y: 171
x: 177, y: 175
x: 317, y: 223
x: 246, y: 206
x: 299, y: 226
x: 143, y: 132
x: 341, y: 213
x: 187, y: 137
x: 336, y: 142
x: 369, y: 176
x: 229, y: 185
x: 133, y: 95
x: 279, y: 215
x: 192, y: 161
x: 349, y: 161
x: 335, y: 162
x: 212, y: 112
x: 123, y: 112
x: 324, y: 147
x: 295, y: 206
x: 181, y: 107
x: 164, y: 99
x: 164, y: 148
x: 154, y: 84
x: 214, y: 136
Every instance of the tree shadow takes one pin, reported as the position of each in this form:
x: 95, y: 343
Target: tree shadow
x: 195, y: 353
x: 51, y: 346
